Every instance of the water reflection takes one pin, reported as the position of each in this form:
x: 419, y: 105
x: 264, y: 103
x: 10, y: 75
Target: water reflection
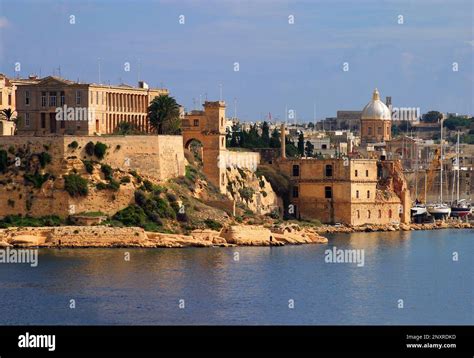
x: 414, y: 266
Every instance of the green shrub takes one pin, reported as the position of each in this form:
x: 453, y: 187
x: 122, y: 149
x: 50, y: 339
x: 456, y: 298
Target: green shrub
x: 89, y: 166
x: 44, y: 158
x: 125, y: 180
x: 36, y: 179
x: 134, y: 174
x: 100, y: 149
x: 140, y: 198
x: 212, y: 224
x: 75, y: 185
x: 132, y: 215
x: 113, y: 185
x: 246, y: 193
x: 107, y: 170
x: 73, y: 145
x: 3, y: 161
x: 19, y: 221
x: 11, y: 150
x: 148, y: 185
x: 90, y: 148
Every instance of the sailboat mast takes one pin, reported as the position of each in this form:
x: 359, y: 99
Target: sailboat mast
x: 458, y: 167
x: 441, y: 161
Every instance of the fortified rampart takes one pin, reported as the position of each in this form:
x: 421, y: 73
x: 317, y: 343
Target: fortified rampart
x: 158, y: 157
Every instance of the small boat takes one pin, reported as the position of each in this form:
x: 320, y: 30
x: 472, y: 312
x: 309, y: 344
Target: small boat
x: 418, y: 210
x: 439, y: 210
x: 461, y: 209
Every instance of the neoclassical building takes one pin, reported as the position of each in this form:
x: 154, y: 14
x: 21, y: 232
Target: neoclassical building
x: 88, y: 108
x: 376, y: 121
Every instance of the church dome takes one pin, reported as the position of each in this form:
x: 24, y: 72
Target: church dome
x: 376, y: 109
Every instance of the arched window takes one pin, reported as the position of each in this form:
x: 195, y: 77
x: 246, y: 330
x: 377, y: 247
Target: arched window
x: 380, y: 214
x: 368, y: 214
x: 368, y: 194
x: 358, y: 214
x: 390, y: 213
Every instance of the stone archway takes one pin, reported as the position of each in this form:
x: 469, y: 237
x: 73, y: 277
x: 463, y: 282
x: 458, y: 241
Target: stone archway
x: 195, y: 146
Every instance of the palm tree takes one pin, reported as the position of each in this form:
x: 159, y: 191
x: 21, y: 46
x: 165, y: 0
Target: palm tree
x: 163, y: 114
x: 7, y: 114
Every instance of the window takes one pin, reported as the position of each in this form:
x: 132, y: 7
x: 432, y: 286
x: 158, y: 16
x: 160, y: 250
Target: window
x: 366, y: 173
x: 27, y: 119
x: 329, y: 170
x: 368, y: 194
x: 222, y: 122
x: 368, y: 214
x: 390, y: 213
x: 358, y: 214
x: 328, y: 192
x: 196, y: 123
x: 379, y: 130
x: 324, y: 146
x: 295, y: 192
x: 296, y: 170
x: 1, y: 98
x: 43, y: 120
x: 9, y: 99
x: 357, y: 194
x: 369, y: 130
x: 356, y: 173
x: 52, y: 99
x: 78, y: 97
x: 27, y: 98
x: 97, y: 97
x: 63, y: 99
x: 380, y: 214
x: 43, y: 99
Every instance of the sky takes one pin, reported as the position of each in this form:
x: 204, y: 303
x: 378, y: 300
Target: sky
x: 282, y: 66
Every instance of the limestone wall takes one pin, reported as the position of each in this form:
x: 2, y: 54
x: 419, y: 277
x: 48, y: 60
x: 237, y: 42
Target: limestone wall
x: 161, y: 157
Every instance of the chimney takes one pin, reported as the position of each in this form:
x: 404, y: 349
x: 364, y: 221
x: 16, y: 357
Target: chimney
x: 283, y: 141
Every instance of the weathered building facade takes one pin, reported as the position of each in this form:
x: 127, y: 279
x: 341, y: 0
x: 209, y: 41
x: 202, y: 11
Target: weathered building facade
x: 85, y: 108
x: 341, y: 191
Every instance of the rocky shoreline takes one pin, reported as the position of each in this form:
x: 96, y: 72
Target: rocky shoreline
x: 237, y: 235
x: 110, y: 237
x: 437, y: 225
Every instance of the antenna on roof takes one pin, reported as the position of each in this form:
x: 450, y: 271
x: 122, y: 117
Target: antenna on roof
x: 235, y: 107
x: 139, y: 70
x: 98, y: 60
x: 59, y: 70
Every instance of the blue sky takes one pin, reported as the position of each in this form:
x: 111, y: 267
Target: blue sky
x: 298, y: 66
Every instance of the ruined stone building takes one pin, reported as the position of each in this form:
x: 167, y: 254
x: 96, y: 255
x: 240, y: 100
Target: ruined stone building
x: 88, y: 108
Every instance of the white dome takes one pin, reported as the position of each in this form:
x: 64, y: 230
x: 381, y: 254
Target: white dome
x: 376, y: 109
